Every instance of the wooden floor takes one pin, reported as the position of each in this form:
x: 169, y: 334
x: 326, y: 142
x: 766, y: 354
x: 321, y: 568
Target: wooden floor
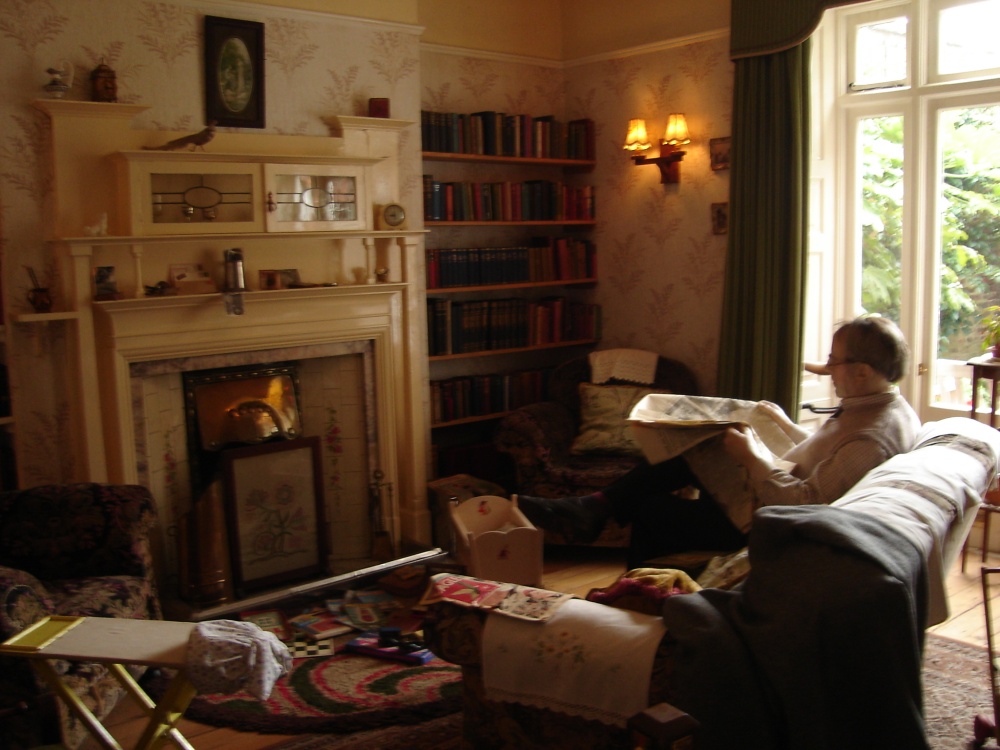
x: 577, y: 572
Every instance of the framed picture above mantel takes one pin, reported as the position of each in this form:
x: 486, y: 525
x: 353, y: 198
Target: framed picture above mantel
x: 234, y: 72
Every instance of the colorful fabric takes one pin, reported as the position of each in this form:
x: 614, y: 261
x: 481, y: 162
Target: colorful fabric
x: 512, y: 600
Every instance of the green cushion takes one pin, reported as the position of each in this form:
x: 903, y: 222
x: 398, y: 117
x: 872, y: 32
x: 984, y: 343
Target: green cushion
x: 604, y: 426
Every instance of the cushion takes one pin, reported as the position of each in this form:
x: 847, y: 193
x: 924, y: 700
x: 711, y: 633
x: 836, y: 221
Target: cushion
x: 604, y: 426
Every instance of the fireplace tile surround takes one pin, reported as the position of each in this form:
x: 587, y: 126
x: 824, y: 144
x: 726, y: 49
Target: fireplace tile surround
x: 362, y: 358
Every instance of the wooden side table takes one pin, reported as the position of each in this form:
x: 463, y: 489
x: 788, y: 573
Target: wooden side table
x: 115, y: 642
x: 985, y: 368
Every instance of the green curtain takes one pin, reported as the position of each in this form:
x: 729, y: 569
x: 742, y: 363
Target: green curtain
x: 760, y: 354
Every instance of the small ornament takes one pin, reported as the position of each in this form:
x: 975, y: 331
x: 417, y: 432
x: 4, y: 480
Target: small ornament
x: 103, y: 84
x: 60, y: 81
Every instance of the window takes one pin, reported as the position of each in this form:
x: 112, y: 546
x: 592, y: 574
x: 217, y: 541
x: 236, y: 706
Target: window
x: 907, y: 177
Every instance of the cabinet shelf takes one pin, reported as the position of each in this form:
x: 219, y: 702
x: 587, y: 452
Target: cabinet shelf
x: 46, y: 317
x: 470, y: 420
x: 504, y: 287
x: 493, y: 223
x: 490, y: 352
x: 583, y: 164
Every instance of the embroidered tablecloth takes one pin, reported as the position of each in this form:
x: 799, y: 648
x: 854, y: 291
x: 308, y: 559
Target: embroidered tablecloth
x: 586, y: 660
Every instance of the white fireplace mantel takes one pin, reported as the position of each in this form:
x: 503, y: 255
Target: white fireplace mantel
x: 374, y: 299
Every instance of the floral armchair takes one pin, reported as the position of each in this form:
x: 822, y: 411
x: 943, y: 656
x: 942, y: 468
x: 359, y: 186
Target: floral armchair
x: 80, y: 549
x: 575, y: 442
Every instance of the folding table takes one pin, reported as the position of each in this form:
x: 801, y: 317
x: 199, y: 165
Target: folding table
x: 115, y: 642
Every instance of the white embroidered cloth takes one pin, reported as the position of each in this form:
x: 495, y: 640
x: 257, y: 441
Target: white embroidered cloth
x: 587, y: 660
x: 633, y: 365
x: 225, y: 656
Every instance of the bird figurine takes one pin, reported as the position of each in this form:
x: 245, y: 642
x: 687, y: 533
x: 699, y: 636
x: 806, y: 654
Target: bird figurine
x: 191, y: 142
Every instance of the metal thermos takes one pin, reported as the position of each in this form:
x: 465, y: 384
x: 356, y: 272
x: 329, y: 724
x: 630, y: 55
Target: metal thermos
x: 235, y: 282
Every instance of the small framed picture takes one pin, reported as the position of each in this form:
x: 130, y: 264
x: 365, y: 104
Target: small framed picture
x: 718, y: 149
x: 105, y: 285
x: 720, y: 218
x: 276, y: 522
x: 234, y: 72
x: 270, y: 279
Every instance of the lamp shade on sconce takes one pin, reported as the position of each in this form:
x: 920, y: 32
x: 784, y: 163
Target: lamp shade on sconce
x: 636, y: 139
x: 676, y: 133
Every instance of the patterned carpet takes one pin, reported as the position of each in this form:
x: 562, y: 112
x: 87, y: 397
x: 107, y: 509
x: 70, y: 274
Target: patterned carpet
x: 956, y: 688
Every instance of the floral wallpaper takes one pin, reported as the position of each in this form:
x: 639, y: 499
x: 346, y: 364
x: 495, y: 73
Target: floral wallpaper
x: 316, y: 65
x: 661, y: 267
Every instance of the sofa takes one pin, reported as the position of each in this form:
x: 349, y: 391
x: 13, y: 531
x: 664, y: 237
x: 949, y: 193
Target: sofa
x: 814, y: 640
x: 577, y: 440
x: 77, y: 549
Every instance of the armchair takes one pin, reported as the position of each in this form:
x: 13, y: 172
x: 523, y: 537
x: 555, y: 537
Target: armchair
x: 540, y: 437
x: 78, y: 550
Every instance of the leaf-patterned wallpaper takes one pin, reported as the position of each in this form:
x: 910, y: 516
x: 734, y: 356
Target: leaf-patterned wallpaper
x: 661, y: 267
x: 317, y: 65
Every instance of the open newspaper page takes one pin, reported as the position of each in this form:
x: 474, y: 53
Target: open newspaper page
x: 668, y: 425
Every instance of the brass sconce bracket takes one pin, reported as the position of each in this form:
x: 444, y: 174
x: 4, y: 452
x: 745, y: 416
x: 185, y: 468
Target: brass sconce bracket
x: 669, y: 162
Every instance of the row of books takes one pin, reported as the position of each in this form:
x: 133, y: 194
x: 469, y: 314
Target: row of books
x: 531, y: 200
x: 464, y: 327
x: 479, y: 395
x: 492, y: 133
x: 546, y: 259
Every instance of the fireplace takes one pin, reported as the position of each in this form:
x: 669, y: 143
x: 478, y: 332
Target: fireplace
x: 191, y: 413
x: 363, y: 320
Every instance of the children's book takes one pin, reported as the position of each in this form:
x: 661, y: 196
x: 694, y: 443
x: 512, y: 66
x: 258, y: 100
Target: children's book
x: 319, y: 624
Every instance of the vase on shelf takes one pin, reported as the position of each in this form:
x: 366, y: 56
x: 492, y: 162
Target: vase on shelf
x: 40, y: 299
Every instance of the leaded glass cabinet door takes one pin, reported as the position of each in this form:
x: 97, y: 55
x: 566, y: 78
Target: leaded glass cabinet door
x: 315, y: 198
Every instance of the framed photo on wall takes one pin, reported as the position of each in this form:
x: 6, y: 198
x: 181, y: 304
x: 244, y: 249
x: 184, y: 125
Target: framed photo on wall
x: 274, y: 512
x: 718, y: 151
x: 234, y: 72
x: 720, y: 218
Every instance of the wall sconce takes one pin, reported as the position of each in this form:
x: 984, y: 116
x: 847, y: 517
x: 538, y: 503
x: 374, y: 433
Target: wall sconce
x: 668, y: 161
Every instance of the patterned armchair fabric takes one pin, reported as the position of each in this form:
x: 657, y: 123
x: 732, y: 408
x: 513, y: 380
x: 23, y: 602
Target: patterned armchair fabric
x: 81, y: 550
x: 539, y: 438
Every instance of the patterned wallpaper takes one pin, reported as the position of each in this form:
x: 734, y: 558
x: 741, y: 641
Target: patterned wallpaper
x: 661, y: 266
x: 317, y: 65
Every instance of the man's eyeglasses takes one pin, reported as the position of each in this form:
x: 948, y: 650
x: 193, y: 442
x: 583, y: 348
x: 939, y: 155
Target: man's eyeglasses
x: 831, y: 361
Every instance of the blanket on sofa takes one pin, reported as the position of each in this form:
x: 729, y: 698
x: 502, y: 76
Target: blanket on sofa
x: 821, y: 646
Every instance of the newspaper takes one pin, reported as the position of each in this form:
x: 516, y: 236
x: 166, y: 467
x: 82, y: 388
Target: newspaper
x: 669, y: 425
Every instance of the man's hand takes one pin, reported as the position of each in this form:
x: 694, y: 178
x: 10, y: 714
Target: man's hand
x: 739, y: 443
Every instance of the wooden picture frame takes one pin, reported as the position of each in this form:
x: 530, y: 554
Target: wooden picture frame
x: 234, y: 72
x: 720, y: 218
x: 718, y: 152
x: 275, y: 513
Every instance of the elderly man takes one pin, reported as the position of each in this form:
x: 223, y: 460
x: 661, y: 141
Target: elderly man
x: 869, y: 355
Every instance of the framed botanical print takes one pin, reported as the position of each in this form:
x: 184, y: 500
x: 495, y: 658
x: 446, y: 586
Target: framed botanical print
x: 274, y: 510
x: 718, y: 149
x: 234, y: 72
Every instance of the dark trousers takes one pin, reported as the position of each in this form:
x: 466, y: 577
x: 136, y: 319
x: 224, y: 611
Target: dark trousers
x: 663, y: 523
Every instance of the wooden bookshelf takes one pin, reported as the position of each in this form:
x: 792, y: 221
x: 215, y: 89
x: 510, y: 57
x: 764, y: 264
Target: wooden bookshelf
x: 519, y: 201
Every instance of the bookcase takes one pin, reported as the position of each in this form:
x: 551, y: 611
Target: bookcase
x: 510, y: 271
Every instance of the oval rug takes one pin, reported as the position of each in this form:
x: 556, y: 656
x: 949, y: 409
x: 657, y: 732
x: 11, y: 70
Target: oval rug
x: 340, y: 694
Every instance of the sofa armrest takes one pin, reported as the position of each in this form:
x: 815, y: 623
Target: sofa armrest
x: 77, y: 531
x: 24, y: 601
x: 533, y: 433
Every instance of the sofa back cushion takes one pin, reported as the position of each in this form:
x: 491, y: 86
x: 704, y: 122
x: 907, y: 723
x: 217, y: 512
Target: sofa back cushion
x: 76, y: 530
